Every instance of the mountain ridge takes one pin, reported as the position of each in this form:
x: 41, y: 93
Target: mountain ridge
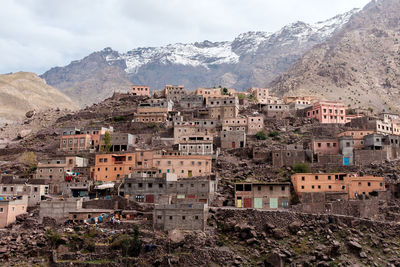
x: 251, y: 59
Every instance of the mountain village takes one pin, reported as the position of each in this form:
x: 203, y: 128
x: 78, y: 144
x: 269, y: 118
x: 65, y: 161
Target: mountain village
x: 320, y: 156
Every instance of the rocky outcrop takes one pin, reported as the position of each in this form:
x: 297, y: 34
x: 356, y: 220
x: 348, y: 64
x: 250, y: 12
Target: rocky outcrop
x: 358, y: 65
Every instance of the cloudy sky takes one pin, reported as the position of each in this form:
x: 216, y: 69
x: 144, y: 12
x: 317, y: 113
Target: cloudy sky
x: 36, y: 35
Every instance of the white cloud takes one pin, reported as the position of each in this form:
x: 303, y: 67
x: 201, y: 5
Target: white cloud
x: 36, y: 35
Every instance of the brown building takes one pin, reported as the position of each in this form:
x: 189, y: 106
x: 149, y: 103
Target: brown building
x: 271, y: 195
x: 223, y: 107
x: 140, y: 90
x: 233, y: 139
x: 180, y: 216
x: 352, y: 185
x: 174, y: 92
x: 55, y: 170
x: 153, y: 110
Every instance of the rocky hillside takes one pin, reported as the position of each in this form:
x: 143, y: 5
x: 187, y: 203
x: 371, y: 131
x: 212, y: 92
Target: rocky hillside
x: 23, y: 91
x: 251, y: 59
x: 359, y: 65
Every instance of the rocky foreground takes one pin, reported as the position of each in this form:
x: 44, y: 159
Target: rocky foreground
x: 233, y: 238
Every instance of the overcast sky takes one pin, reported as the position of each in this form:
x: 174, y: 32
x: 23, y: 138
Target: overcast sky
x: 36, y: 35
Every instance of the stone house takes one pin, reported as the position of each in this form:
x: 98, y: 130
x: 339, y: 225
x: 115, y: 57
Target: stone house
x: 174, y: 92
x: 223, y: 107
x: 59, y: 209
x: 191, y: 101
x: 270, y: 195
x: 184, y: 166
x: 325, y: 146
x: 352, y: 185
x: 153, y: 110
x: 180, y: 216
x: 233, y: 139
x: 207, y: 93
x: 11, y: 207
x: 289, y: 157
x: 328, y: 112
x: 196, y: 145
x: 140, y: 90
x: 277, y: 110
x: 85, y: 140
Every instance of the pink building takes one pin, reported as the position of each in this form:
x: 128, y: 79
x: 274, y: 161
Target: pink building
x: 325, y: 146
x: 328, y: 112
x: 140, y: 90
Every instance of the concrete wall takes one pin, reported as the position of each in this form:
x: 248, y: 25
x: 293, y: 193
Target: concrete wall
x: 58, y: 209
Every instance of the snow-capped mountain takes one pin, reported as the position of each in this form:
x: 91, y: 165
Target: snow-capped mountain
x: 251, y: 59
x: 214, y: 53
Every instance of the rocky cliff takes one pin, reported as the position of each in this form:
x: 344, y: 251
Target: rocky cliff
x: 359, y: 65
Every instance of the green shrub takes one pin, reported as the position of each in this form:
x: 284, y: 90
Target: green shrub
x: 273, y: 134
x: 261, y: 135
x: 301, y: 168
x: 53, y: 238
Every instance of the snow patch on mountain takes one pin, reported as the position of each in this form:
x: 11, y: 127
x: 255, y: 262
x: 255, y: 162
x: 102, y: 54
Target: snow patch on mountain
x: 206, y: 54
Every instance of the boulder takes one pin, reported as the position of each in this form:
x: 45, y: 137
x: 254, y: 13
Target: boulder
x: 30, y: 114
x: 354, y: 245
x: 295, y: 226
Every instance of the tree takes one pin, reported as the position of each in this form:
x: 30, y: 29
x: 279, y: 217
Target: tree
x: 224, y: 91
x: 261, y: 135
x: 29, y: 159
x: 351, y: 112
x: 106, y: 145
x: 241, y: 96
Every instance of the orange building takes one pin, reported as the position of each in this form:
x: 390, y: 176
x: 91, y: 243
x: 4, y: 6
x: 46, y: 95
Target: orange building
x: 328, y: 112
x: 352, y: 185
x: 140, y: 90
x: 112, y: 167
x: 325, y: 146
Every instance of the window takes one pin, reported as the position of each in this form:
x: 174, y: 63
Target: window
x: 319, y: 187
x: 334, y: 144
x: 271, y: 188
x: 328, y: 144
x: 312, y: 187
x: 343, y: 187
x: 259, y: 188
x: 329, y: 177
x: 303, y: 178
x: 369, y: 184
x: 247, y: 187
x: 150, y: 185
x: 129, y: 185
x: 183, y: 217
x: 170, y: 217
x: 319, y: 144
x: 316, y: 177
x: 302, y: 187
x: 329, y: 186
x: 140, y: 185
x: 1, y: 210
x: 196, y: 217
x: 35, y: 189
x: 283, y: 188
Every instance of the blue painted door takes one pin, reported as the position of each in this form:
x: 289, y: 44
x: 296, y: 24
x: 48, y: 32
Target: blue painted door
x: 346, y: 161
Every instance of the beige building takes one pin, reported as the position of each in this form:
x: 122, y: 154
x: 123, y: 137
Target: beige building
x: 140, y: 90
x: 251, y: 125
x: 11, y: 207
x: 34, y: 192
x: 262, y: 94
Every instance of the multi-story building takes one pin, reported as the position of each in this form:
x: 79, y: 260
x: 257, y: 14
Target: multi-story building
x: 358, y: 136
x: 11, y: 207
x: 223, y: 107
x: 196, y: 145
x: 78, y: 140
x: 112, y: 167
x: 299, y: 102
x: 325, y: 146
x: 352, y: 185
x: 204, y: 128
x: 270, y: 195
x: 183, y: 166
x: 328, y: 112
x: 167, y: 189
x: 153, y: 110
x: 174, y: 92
x: 251, y: 125
x: 262, y: 94
x: 214, y: 92
x: 55, y: 170
x: 140, y: 90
